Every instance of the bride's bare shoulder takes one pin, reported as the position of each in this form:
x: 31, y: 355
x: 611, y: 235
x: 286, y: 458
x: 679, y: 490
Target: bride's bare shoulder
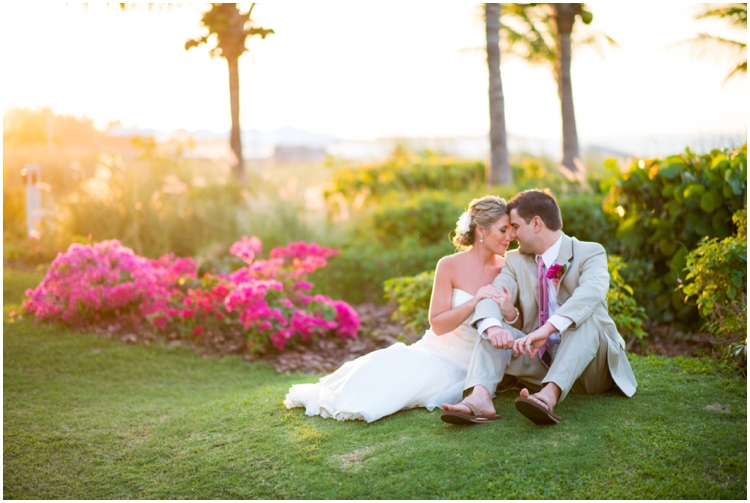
x: 453, y: 260
x: 452, y: 266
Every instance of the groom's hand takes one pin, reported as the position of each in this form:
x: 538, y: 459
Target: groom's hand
x: 500, y: 338
x: 530, y: 344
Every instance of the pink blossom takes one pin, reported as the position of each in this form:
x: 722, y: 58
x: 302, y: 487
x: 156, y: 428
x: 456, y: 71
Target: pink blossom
x: 106, y: 281
x: 247, y: 248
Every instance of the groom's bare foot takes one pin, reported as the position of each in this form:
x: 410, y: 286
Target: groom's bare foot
x: 551, y: 392
x: 480, y: 398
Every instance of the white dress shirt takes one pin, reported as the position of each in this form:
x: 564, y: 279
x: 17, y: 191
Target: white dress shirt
x: 561, y: 323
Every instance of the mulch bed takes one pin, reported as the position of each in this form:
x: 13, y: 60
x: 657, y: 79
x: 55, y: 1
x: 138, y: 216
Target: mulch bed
x: 323, y: 356
x: 377, y: 331
x: 667, y: 340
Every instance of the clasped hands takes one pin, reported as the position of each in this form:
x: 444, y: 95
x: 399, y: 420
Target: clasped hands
x: 527, y: 345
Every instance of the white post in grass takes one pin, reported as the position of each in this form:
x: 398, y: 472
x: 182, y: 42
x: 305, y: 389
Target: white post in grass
x: 32, y: 174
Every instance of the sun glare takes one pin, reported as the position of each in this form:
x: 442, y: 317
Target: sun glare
x: 397, y: 75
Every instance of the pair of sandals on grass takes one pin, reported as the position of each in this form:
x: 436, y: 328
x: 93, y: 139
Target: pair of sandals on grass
x: 535, y: 407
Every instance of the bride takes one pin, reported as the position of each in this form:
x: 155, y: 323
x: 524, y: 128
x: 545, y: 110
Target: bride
x: 431, y: 371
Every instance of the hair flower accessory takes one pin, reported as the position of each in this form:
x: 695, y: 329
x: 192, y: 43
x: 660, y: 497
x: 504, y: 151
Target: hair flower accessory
x: 463, y: 225
x: 555, y: 272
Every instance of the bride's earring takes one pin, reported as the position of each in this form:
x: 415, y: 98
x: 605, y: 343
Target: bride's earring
x: 481, y: 239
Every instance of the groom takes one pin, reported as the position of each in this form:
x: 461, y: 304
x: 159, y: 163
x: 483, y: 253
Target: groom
x: 562, y: 339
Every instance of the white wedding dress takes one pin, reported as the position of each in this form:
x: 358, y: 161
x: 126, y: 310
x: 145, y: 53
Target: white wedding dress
x: 428, y: 373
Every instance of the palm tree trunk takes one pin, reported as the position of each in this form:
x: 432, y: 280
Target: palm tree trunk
x: 238, y: 168
x: 565, y: 17
x: 498, y: 172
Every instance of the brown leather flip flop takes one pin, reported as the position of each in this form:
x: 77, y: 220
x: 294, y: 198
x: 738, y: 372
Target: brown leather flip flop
x: 474, y: 418
x: 535, y: 412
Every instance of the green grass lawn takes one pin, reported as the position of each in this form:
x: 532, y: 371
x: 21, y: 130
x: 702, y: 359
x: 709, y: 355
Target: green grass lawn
x: 89, y: 418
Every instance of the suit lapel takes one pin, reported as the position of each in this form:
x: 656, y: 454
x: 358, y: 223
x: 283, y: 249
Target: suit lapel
x: 564, y: 257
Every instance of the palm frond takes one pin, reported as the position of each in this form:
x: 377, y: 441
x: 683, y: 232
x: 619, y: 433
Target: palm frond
x: 736, y: 13
x: 739, y: 69
x: 594, y: 39
x: 705, y: 44
x: 526, y: 33
x: 529, y: 32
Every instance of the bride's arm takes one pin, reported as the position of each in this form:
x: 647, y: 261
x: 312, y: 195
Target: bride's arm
x: 443, y: 318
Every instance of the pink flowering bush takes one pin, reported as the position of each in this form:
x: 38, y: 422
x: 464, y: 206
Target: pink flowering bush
x: 267, y: 302
x: 105, y: 281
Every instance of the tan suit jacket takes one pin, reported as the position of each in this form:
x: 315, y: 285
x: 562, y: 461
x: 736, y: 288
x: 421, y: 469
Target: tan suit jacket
x: 581, y: 294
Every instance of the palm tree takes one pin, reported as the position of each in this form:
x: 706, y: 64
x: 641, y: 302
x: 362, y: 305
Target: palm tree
x: 544, y: 34
x: 231, y: 28
x: 499, y: 168
x: 564, y: 15
x: 735, y: 15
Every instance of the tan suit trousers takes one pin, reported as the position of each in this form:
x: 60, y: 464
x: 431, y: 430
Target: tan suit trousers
x: 580, y: 363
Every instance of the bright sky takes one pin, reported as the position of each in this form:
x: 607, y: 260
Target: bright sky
x: 362, y: 70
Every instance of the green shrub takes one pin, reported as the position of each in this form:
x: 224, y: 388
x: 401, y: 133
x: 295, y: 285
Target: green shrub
x: 405, y: 172
x: 400, y: 215
x: 717, y: 278
x: 665, y: 207
x: 584, y: 218
x: 411, y: 295
x: 624, y: 310
x: 357, y: 274
x: 427, y: 217
x: 533, y: 172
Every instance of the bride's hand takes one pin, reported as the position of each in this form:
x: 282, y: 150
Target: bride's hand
x: 486, y: 292
x: 505, y: 303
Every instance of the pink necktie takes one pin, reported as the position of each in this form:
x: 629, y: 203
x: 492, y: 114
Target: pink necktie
x: 544, y: 353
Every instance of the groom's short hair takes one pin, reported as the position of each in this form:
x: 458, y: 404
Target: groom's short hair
x: 534, y: 202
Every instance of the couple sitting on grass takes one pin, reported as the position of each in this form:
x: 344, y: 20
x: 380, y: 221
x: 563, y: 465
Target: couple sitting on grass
x: 537, y: 315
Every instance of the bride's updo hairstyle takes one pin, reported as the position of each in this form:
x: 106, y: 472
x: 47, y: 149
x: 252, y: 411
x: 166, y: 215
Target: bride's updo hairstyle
x: 483, y: 212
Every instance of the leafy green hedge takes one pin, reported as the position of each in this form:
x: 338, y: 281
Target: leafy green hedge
x: 717, y: 278
x: 411, y: 295
x: 357, y: 274
x: 665, y: 207
x: 405, y: 172
x: 585, y: 218
x: 623, y: 308
x: 401, y: 214
x: 428, y: 217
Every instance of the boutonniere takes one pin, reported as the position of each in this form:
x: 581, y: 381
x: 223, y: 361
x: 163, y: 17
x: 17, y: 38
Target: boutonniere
x: 555, y: 272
